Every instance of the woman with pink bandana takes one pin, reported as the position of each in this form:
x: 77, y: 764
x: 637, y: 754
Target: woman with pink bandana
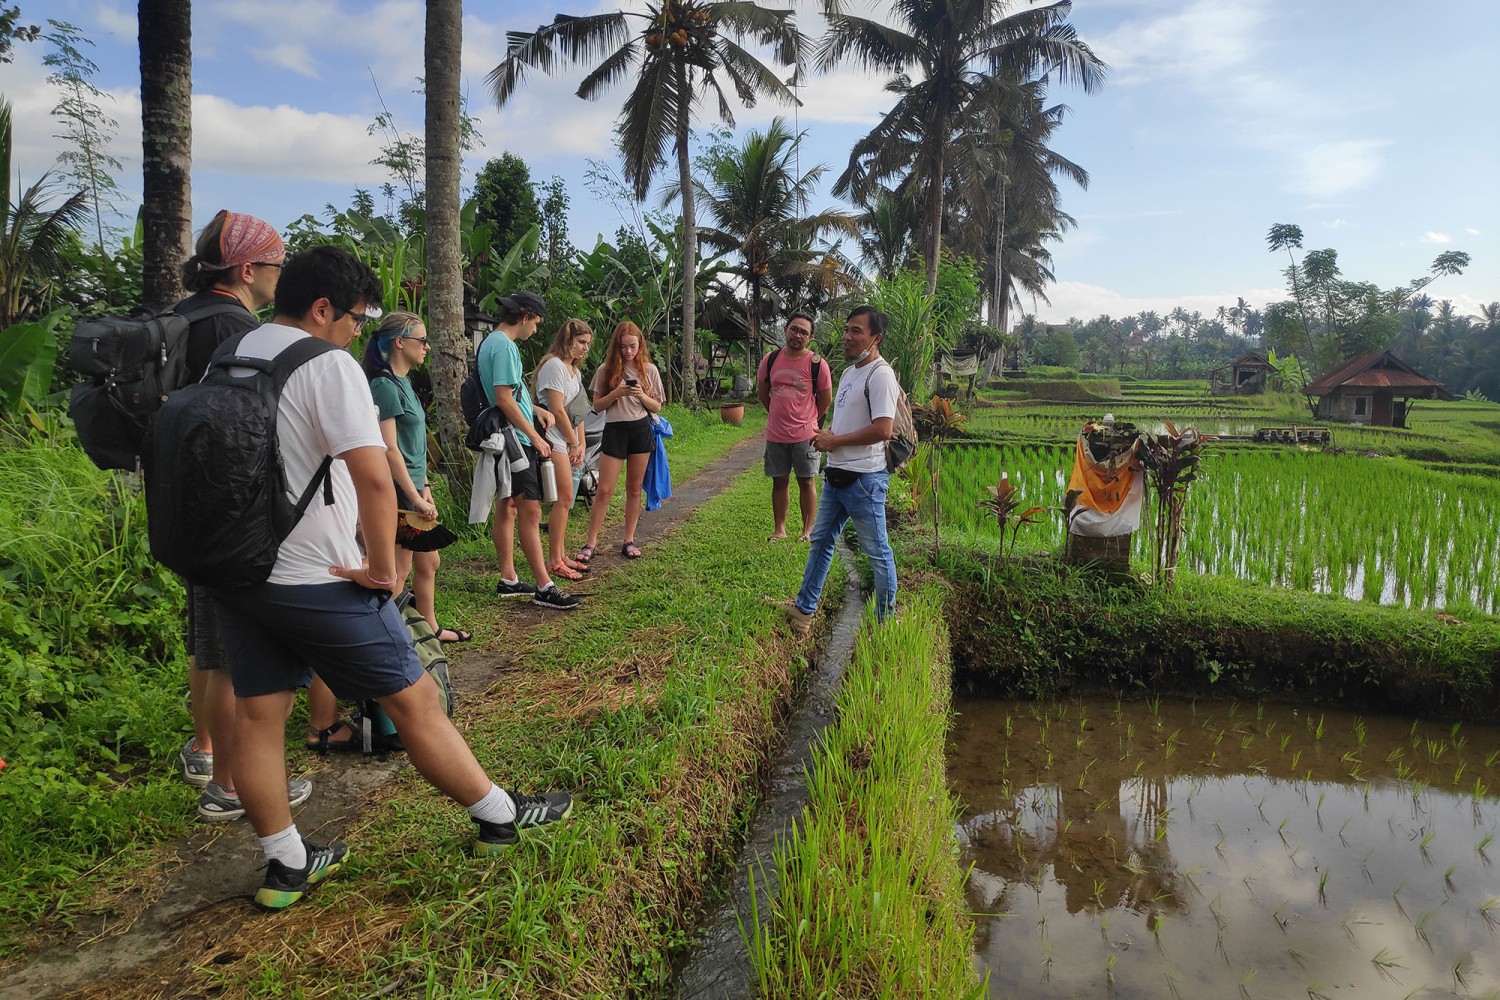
x: 236, y: 262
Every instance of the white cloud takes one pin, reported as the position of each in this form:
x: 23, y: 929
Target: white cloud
x: 1472, y: 231
x: 290, y: 56
x: 1337, y: 224
x: 1333, y: 168
x: 1075, y: 299
x: 1432, y: 237
x: 282, y: 142
x: 1203, y: 40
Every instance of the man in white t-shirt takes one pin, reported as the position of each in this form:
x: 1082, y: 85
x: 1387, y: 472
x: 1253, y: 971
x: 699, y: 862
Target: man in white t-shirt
x: 326, y: 607
x: 864, y: 412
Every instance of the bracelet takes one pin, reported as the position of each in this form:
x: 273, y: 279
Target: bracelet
x: 382, y: 584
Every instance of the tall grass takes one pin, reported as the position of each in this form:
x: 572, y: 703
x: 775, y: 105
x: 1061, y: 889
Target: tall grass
x: 871, y: 899
x: 91, y: 671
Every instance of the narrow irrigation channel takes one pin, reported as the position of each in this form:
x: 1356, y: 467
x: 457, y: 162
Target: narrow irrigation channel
x: 719, y: 966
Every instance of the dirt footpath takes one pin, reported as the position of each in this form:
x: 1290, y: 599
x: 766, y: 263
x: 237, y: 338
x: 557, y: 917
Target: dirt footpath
x: 197, y: 899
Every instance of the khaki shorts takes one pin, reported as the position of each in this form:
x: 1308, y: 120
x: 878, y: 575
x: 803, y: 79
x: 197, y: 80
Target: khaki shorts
x: 785, y: 458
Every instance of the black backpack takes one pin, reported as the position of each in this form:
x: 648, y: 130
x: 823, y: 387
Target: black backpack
x: 472, y: 398
x: 129, y: 364
x: 217, y: 508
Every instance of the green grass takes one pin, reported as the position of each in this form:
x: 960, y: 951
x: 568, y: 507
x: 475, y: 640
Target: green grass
x: 871, y: 900
x: 92, y: 676
x: 656, y: 706
x: 93, y: 671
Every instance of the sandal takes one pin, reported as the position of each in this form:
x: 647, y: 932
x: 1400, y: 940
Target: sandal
x: 318, y: 739
x: 459, y: 634
x: 630, y: 550
x: 585, y: 555
x: 564, y: 571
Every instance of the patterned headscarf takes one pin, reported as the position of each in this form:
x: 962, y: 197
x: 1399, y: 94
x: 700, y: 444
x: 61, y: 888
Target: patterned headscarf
x: 246, y: 240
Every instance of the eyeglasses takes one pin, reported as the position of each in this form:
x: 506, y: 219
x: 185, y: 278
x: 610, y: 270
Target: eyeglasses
x: 360, y: 319
x: 417, y: 340
x: 800, y: 330
x: 266, y: 263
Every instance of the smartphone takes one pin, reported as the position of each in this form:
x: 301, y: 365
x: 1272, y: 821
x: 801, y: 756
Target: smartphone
x: 631, y: 381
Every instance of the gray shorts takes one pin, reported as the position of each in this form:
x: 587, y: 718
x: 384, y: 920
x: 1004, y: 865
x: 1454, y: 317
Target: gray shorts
x: 205, y: 643
x: 799, y: 457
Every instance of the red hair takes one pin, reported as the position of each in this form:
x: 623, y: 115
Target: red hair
x: 614, y: 365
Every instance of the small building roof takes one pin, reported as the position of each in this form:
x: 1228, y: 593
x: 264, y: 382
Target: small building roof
x: 1371, y: 371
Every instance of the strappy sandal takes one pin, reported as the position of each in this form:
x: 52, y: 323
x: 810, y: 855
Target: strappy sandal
x: 630, y: 550
x: 565, y: 571
x: 318, y: 740
x: 459, y: 634
x: 585, y: 555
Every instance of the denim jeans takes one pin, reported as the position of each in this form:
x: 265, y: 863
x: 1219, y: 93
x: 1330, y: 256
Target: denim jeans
x: 864, y: 503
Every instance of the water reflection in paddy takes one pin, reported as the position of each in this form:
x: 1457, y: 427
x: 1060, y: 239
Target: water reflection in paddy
x: 1220, y: 850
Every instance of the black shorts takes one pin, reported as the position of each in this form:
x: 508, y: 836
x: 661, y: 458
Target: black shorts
x: 527, y: 484
x: 624, y: 438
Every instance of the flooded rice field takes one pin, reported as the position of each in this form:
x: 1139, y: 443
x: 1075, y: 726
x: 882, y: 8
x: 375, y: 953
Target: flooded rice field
x: 1213, y: 849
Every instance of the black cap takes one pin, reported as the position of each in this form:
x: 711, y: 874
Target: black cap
x: 524, y: 301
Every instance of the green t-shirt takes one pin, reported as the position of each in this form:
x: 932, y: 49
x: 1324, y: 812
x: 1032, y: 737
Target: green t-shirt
x: 500, y: 364
x: 397, y: 400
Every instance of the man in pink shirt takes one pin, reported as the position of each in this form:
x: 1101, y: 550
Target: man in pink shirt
x: 796, y: 388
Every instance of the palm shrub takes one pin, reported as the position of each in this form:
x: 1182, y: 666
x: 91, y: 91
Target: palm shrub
x: 911, y: 340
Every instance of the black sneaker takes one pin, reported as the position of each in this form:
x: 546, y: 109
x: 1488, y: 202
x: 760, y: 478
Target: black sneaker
x: 531, y: 810
x: 555, y: 599
x: 518, y: 589
x: 284, y: 886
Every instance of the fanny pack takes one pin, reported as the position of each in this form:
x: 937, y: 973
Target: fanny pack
x: 842, y: 478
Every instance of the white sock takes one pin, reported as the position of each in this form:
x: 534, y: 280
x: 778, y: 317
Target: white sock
x: 496, y: 807
x: 286, y: 847
x: 511, y: 582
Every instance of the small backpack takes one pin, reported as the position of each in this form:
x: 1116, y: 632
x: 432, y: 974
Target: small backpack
x: 472, y: 398
x: 217, y: 504
x: 902, y: 444
x: 377, y: 733
x: 129, y: 364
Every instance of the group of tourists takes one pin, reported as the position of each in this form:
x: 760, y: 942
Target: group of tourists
x: 325, y: 617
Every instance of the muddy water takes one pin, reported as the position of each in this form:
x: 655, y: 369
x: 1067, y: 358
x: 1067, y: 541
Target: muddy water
x: 1158, y: 849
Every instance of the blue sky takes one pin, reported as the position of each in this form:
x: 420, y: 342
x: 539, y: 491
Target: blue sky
x: 1369, y: 123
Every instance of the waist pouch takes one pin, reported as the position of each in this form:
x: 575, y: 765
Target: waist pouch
x: 842, y: 478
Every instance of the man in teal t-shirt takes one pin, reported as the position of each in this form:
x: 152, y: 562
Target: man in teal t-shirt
x: 520, y: 513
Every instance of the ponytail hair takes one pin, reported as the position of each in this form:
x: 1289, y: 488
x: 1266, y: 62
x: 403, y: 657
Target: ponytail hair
x: 377, y: 356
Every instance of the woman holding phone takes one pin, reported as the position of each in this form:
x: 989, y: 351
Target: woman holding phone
x: 627, y: 389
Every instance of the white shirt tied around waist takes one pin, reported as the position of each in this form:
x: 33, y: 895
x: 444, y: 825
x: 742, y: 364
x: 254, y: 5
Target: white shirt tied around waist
x: 852, y: 411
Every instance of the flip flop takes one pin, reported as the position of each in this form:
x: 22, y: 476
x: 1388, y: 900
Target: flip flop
x: 459, y: 635
x: 630, y: 550
x: 565, y: 571
x: 585, y: 555
x: 318, y: 739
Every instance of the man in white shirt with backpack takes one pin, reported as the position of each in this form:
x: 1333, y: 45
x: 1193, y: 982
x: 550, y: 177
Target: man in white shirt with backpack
x: 864, y: 415
x: 325, y: 605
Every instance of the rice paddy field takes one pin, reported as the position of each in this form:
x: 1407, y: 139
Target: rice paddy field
x: 1184, y: 849
x: 1347, y: 520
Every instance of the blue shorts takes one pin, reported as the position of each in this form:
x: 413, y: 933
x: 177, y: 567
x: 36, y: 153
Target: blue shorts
x: 278, y: 635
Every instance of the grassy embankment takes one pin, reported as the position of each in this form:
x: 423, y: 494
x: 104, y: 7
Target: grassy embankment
x: 872, y: 901
x: 92, y: 678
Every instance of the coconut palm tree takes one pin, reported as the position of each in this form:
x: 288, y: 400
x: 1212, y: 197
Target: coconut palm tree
x: 887, y: 233
x: 445, y: 279
x: 948, y: 57
x: 683, y: 49
x: 167, y: 145
x: 32, y: 236
x: 755, y: 201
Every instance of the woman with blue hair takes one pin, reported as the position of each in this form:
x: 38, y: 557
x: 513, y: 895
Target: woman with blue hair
x: 397, y: 346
